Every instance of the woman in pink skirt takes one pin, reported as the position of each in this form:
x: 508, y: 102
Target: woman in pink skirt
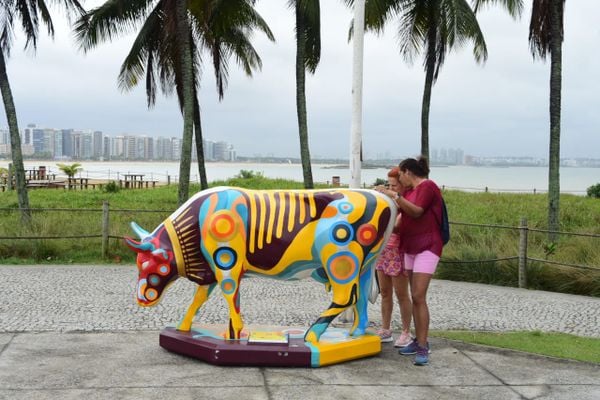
x: 392, y: 276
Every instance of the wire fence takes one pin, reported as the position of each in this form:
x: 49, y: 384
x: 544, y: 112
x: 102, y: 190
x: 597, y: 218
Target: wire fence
x: 107, y: 232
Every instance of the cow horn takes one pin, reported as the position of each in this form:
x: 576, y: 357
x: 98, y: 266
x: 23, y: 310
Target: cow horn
x: 138, y: 230
x: 138, y: 247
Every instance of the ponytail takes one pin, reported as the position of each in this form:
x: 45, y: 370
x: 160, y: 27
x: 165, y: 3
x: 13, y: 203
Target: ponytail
x: 419, y: 167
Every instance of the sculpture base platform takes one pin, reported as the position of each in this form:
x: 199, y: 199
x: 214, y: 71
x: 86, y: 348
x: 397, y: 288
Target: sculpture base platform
x: 271, y: 346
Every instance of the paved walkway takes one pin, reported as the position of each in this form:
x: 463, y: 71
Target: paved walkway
x: 76, y: 332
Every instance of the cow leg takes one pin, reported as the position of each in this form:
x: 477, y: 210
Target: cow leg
x: 344, y: 296
x: 201, y: 295
x: 361, y: 319
x: 231, y: 292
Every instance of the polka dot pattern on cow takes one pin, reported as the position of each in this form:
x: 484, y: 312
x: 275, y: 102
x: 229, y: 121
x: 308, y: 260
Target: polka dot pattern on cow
x: 228, y: 286
x: 222, y: 227
x: 164, y: 270
x: 342, y: 267
x: 366, y: 234
x: 345, y: 207
x: 341, y: 233
x: 225, y: 258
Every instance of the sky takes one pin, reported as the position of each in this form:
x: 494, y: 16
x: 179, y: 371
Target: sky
x: 499, y: 108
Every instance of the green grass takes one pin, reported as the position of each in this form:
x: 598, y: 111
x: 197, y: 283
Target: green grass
x: 475, y: 244
x: 549, y: 344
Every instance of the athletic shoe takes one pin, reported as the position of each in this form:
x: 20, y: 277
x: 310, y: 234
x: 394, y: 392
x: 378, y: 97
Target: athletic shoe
x: 412, y: 348
x: 409, y: 349
x: 422, y: 357
x: 403, y: 340
x: 385, y: 335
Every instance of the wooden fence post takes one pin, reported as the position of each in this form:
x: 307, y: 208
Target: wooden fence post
x: 105, y: 228
x: 523, y: 253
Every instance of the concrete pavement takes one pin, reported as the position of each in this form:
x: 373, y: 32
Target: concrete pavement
x: 71, y: 332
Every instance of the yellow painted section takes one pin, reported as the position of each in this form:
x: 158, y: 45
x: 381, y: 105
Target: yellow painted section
x: 334, y: 353
x: 302, y: 207
x: 279, y: 230
x: 292, y: 212
x: 252, y: 244
x: 271, y: 197
x: 176, y: 247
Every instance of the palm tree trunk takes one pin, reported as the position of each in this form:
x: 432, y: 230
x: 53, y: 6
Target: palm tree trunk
x: 556, y: 33
x: 429, y: 72
x: 185, y: 53
x: 15, y: 141
x: 301, y: 99
x: 199, y: 145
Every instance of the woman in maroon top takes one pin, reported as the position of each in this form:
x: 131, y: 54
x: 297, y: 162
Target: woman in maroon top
x: 421, y: 242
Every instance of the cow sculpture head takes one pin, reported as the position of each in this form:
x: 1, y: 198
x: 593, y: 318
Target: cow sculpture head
x: 155, y: 261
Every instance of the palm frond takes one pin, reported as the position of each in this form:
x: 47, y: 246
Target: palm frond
x: 141, y: 56
x: 540, y: 32
x: 309, y: 14
x: 513, y: 7
x: 110, y: 20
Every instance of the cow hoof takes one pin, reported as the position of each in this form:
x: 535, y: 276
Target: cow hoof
x: 357, y: 332
x: 311, y: 337
x: 184, y: 327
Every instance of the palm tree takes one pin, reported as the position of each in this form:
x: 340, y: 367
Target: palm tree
x: 434, y: 27
x: 223, y: 27
x: 26, y: 13
x: 70, y: 171
x: 308, y: 55
x: 546, y: 32
x: 546, y: 37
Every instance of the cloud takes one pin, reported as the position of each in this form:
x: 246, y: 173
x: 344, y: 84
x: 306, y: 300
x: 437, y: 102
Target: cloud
x: 500, y: 108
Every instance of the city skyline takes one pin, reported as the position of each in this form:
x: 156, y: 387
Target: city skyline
x: 88, y: 145
x: 75, y: 144
x: 497, y: 109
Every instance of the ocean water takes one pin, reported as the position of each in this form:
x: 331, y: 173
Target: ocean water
x: 467, y: 178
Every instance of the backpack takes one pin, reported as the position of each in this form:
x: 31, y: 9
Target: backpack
x: 445, y: 224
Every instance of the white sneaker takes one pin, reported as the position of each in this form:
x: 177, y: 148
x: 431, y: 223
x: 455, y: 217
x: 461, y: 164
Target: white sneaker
x: 403, y: 340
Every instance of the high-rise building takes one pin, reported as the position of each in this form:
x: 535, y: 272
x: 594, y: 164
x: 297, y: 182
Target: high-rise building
x: 175, y: 149
x: 98, y: 145
x: 4, y: 136
x: 106, y: 148
x: 38, y: 140
x: 67, y: 142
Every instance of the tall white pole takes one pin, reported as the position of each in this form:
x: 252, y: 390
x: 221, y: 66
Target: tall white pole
x: 357, y: 86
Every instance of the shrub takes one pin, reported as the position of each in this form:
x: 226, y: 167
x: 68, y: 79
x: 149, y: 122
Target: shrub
x: 379, y: 181
x: 111, y: 187
x: 249, y: 174
x: 594, y: 191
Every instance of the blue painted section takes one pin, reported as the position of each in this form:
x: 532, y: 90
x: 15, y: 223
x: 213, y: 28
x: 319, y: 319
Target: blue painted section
x: 361, y: 303
x: 315, y: 355
x: 318, y: 329
x: 319, y: 275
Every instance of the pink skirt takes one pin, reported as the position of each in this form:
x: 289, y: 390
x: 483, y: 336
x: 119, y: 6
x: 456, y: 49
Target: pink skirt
x: 391, y: 261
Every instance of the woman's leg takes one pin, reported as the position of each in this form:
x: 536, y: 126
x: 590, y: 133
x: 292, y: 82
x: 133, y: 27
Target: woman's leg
x: 423, y: 269
x: 387, y: 299
x: 400, y: 284
x: 419, y: 285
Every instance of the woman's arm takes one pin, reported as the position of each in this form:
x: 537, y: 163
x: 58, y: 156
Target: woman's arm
x: 404, y: 205
x: 407, y: 207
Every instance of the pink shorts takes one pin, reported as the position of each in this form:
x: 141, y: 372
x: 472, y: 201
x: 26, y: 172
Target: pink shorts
x: 425, y: 262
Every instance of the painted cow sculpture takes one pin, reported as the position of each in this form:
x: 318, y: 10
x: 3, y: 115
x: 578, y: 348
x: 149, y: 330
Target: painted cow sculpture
x: 221, y: 234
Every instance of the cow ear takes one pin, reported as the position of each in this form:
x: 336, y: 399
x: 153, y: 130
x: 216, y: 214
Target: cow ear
x: 161, y: 252
x: 139, y: 231
x: 138, y: 247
